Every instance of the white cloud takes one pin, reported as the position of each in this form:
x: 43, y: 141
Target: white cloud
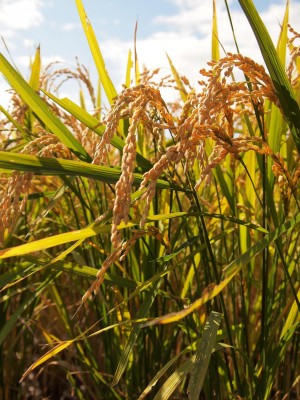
x: 186, y: 37
x: 5, y: 95
x: 53, y: 58
x: 24, y: 61
x: 28, y: 43
x: 20, y: 14
x: 69, y: 26
x: 188, y: 55
x: 191, y: 18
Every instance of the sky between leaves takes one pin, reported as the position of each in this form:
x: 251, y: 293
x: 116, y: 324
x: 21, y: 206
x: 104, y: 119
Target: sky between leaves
x: 182, y: 28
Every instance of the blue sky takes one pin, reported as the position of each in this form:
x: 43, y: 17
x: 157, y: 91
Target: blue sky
x: 182, y: 28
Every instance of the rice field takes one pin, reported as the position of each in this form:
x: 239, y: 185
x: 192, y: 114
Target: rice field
x: 150, y: 250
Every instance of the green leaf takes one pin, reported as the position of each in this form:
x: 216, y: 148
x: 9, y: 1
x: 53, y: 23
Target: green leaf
x: 34, y: 80
x: 236, y: 265
x: 106, y: 82
x: 275, y: 357
x: 39, y: 107
x: 203, y: 354
x: 280, y: 80
x: 57, y: 240
x: 136, y: 61
x: 10, y: 323
x: 128, y: 69
x: 55, y: 166
x: 179, y: 83
x: 161, y: 372
x: 51, y: 353
x: 215, y: 50
x: 229, y: 272
x: 292, y: 318
x: 218, y: 173
x: 142, y: 313
x: 174, y: 380
x: 275, y: 123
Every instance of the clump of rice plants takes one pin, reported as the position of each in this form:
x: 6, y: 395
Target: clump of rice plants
x: 151, y: 250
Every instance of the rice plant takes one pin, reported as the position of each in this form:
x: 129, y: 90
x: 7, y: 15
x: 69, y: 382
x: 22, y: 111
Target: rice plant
x: 151, y: 250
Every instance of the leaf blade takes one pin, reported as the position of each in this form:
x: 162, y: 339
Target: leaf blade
x: 106, y: 82
x: 39, y: 107
x: 57, y: 166
x: 203, y: 354
x: 278, y: 75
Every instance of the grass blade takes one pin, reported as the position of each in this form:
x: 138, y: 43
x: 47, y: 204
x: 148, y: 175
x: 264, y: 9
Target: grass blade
x: 280, y: 80
x: 179, y: 83
x: 55, y: 166
x: 38, y: 106
x: 275, y: 122
x: 293, y: 317
x: 128, y: 69
x: 143, y: 311
x: 106, y: 82
x: 51, y: 353
x: 203, y: 354
x: 10, y: 323
x: 229, y: 272
x: 57, y: 240
x: 34, y: 80
x: 165, y: 368
x: 136, y: 60
x: 215, y: 47
x: 174, y: 380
